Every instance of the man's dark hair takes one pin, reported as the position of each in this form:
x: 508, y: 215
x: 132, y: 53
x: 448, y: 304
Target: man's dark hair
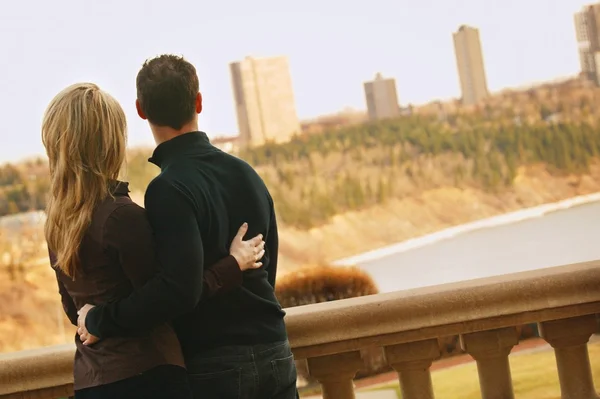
x: 166, y: 89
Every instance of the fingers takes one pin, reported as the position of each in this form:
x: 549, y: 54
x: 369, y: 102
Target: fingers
x: 83, y: 333
x: 242, y: 232
x: 86, y: 337
x: 256, y: 240
x: 257, y: 265
x: 90, y: 340
x: 260, y: 254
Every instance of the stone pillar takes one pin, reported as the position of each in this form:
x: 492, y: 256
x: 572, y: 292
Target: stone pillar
x: 412, y: 361
x: 569, y: 338
x: 490, y: 349
x: 335, y: 373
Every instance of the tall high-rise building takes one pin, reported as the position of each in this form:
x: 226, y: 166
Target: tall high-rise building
x: 382, y: 98
x: 587, y: 30
x: 471, y: 70
x: 264, y: 99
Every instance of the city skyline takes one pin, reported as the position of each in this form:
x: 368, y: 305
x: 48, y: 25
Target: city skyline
x: 45, y: 51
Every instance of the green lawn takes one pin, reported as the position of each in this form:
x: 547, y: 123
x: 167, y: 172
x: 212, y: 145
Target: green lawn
x: 534, y: 377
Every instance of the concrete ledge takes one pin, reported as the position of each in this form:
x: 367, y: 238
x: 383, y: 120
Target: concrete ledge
x: 39, y: 373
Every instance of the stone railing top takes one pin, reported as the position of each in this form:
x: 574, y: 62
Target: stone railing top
x: 36, y: 369
x: 418, y: 314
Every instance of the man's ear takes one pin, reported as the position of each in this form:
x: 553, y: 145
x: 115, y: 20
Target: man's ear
x: 140, y: 112
x: 198, y: 103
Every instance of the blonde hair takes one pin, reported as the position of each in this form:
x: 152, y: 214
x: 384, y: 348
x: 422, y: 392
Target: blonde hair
x: 84, y: 132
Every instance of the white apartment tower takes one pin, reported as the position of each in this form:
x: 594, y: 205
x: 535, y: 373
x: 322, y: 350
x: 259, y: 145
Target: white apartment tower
x: 469, y: 60
x: 264, y: 100
x: 587, y: 24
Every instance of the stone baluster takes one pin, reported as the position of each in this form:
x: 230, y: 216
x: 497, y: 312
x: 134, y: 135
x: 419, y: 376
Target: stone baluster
x: 490, y: 349
x: 335, y: 373
x: 569, y: 338
x: 412, y: 361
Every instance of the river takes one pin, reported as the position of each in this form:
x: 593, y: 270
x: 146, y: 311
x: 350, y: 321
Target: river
x: 557, y: 238
x: 512, y: 245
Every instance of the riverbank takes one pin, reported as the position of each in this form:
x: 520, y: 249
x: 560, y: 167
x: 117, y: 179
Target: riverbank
x: 494, y: 221
x: 433, y: 214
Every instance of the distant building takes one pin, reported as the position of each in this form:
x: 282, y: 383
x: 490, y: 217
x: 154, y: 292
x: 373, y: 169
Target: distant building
x: 225, y: 143
x: 471, y: 70
x: 382, y: 98
x: 264, y: 100
x: 587, y: 30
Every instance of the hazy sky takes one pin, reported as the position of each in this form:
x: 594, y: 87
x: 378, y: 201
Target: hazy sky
x: 333, y: 46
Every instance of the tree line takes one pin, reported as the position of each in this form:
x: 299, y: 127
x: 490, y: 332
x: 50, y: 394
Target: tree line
x: 315, y: 177
x: 22, y: 191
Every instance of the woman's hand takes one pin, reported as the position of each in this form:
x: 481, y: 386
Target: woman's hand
x: 247, y: 253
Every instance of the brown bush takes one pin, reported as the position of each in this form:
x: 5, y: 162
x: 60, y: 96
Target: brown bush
x: 324, y: 284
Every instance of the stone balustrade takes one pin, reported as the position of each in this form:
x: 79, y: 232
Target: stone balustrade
x: 564, y: 301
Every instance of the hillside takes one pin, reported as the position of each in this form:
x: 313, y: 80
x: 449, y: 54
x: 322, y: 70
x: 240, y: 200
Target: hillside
x: 350, y: 190
x: 335, y: 191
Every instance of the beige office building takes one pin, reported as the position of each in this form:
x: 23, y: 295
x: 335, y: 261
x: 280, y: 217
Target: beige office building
x: 471, y: 70
x: 264, y: 100
x: 382, y: 98
x: 587, y: 24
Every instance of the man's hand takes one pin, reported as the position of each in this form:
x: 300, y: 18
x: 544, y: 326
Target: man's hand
x: 84, y: 335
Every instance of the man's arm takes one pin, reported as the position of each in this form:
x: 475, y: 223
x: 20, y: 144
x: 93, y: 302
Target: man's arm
x: 177, y: 287
x: 272, y: 246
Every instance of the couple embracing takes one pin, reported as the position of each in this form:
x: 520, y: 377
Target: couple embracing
x: 171, y: 301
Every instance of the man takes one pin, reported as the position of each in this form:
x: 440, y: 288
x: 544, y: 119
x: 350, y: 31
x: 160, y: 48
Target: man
x: 235, y: 345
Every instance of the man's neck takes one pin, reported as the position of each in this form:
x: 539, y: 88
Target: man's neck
x: 165, y: 133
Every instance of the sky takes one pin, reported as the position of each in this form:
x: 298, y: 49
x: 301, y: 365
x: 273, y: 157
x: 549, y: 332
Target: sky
x: 333, y: 47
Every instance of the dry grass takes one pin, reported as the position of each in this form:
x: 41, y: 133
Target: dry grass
x: 29, y: 302
x: 30, y: 311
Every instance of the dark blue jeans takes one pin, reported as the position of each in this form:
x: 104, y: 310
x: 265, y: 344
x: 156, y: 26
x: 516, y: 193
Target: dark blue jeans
x: 244, y: 372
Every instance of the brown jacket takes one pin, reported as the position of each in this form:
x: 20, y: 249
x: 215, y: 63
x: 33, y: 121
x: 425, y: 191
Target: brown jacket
x: 117, y: 256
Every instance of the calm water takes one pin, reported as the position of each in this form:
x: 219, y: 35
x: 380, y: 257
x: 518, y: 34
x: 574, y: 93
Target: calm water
x: 558, y: 238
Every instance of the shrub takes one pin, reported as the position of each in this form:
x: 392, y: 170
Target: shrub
x: 323, y: 284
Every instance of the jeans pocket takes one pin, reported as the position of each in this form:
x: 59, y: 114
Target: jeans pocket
x: 217, y: 385
x: 285, y: 373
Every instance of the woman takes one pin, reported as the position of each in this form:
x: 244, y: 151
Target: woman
x: 101, y: 247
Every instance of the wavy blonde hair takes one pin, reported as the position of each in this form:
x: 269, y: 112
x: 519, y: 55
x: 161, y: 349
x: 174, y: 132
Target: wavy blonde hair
x: 84, y: 132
